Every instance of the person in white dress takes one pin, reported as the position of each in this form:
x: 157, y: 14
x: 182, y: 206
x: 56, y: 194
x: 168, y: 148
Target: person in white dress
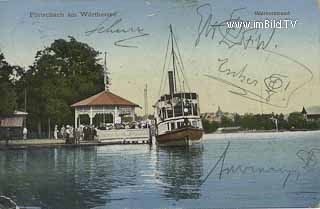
x: 25, y: 132
x: 55, y: 133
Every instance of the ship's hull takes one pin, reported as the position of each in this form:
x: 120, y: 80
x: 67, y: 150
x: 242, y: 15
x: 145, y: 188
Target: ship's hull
x: 180, y: 137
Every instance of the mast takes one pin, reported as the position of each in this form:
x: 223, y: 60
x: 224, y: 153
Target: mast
x: 146, y: 102
x: 173, y: 60
x: 25, y: 107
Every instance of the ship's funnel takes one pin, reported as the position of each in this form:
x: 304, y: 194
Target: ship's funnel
x: 171, y: 83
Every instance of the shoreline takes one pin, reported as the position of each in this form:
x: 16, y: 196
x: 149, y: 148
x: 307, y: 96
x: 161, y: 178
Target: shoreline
x: 57, y: 143
x: 292, y: 135
x: 52, y: 143
x: 266, y: 131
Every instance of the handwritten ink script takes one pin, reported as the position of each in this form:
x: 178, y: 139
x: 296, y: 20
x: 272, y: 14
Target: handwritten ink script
x: 246, y: 37
x: 309, y: 158
x: 274, y: 86
x: 112, y: 25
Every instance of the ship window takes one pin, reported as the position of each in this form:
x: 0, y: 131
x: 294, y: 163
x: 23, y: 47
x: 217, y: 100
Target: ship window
x: 163, y: 112
x: 194, y: 123
x: 172, y: 126
x: 178, y: 110
x: 168, y: 126
x: 170, y: 113
x: 180, y: 124
x: 195, y: 109
x: 187, y: 109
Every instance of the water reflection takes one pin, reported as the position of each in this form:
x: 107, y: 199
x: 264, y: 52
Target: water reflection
x: 57, y: 177
x: 70, y: 177
x: 139, y: 176
x: 180, y: 169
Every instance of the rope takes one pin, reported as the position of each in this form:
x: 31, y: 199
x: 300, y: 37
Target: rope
x: 180, y: 60
x: 164, y: 66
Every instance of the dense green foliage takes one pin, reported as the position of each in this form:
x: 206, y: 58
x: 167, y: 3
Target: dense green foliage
x: 8, y: 95
x: 63, y: 73
x: 209, y: 127
x: 294, y: 121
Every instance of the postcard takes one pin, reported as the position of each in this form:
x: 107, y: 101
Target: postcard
x: 159, y: 104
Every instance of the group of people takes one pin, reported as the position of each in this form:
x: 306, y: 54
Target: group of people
x: 126, y: 125
x: 89, y: 132
x: 68, y: 133
x: 64, y: 132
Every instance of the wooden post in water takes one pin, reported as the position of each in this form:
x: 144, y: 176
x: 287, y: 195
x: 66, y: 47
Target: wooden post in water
x: 150, y: 136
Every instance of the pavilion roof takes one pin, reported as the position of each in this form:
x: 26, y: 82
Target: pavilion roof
x: 105, y: 98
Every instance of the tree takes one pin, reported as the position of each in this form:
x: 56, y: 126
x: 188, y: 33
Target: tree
x: 63, y: 73
x: 248, y: 121
x: 226, y: 122
x: 282, y: 123
x: 8, y: 96
x: 237, y: 119
x: 208, y: 126
x: 296, y: 120
x: 313, y: 125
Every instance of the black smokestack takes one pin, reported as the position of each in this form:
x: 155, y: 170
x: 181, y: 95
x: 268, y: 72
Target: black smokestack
x: 171, y: 83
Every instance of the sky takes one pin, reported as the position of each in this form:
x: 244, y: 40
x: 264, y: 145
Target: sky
x: 280, y: 76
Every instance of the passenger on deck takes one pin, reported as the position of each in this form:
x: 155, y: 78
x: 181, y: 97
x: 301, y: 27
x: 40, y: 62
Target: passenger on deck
x: 186, y: 122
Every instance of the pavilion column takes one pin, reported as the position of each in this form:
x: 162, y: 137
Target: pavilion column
x: 91, y: 115
x: 103, y: 116
x: 75, y: 118
x: 133, y: 115
x: 115, y: 114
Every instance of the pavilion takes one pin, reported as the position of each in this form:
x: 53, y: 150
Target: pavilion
x: 103, y: 103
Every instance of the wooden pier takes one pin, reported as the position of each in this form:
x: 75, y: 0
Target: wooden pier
x: 105, y: 137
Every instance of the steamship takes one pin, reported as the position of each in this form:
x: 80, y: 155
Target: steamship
x: 177, y: 112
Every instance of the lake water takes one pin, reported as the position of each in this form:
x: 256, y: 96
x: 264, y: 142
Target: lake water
x: 247, y: 170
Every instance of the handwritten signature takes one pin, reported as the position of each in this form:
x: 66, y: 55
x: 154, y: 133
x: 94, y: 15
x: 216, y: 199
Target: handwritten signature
x: 247, y: 37
x: 309, y: 158
x: 250, y: 38
x: 248, y: 169
x: 273, y: 84
x: 113, y: 27
x: 240, y: 75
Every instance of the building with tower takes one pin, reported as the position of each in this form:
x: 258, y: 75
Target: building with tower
x: 310, y: 116
x: 104, y: 104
